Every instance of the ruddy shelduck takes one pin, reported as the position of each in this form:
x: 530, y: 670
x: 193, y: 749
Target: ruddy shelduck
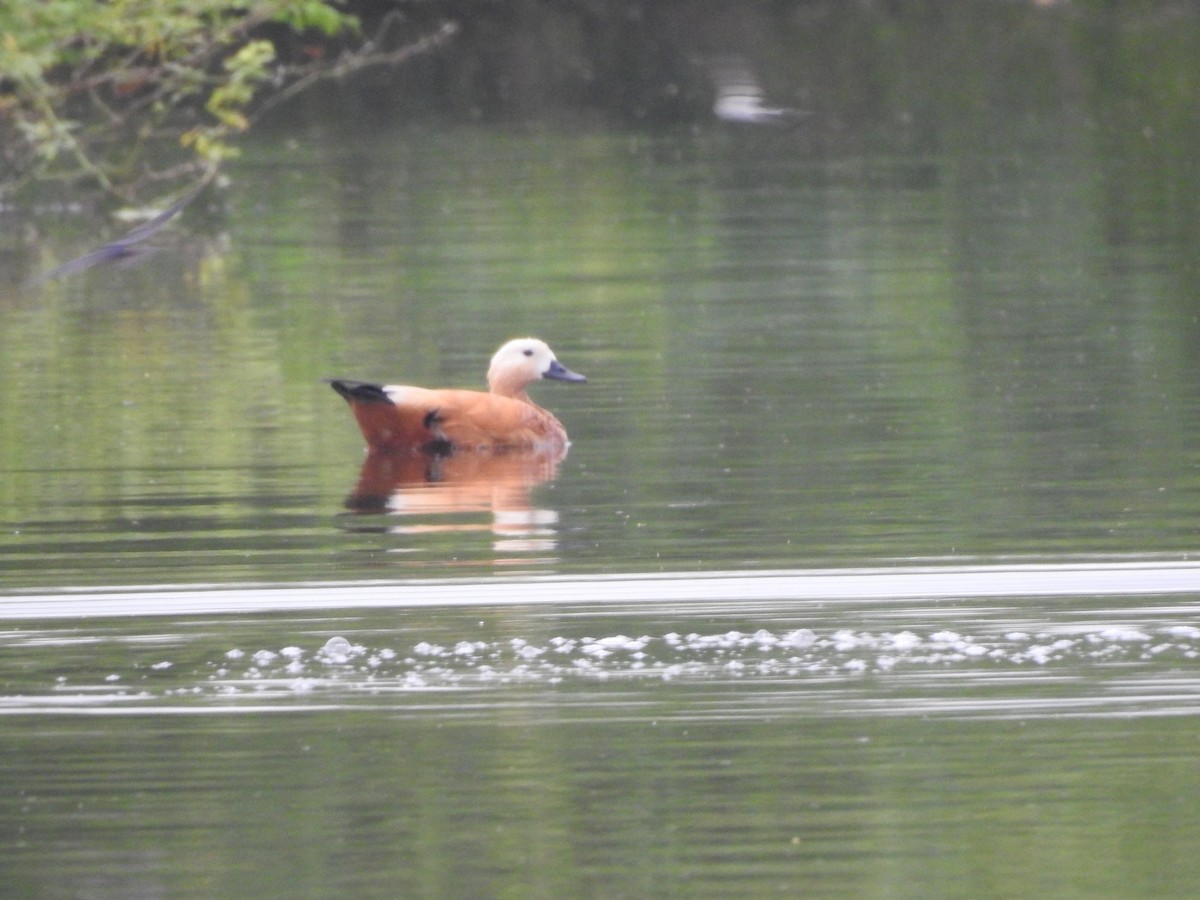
x: 402, y: 417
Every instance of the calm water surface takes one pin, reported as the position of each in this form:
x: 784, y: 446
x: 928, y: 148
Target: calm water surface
x: 870, y: 570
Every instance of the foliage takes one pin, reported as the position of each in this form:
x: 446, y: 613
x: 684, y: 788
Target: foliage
x: 98, y: 89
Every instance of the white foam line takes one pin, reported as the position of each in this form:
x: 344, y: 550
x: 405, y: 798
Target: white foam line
x: 899, y: 583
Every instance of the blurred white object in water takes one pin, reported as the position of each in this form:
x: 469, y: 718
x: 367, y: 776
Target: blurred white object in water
x: 740, y: 97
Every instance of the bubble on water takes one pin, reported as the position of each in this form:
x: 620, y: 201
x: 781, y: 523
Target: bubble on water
x: 801, y: 637
x: 1183, y: 631
x: 905, y: 640
x: 1124, y: 634
x: 337, y: 650
x: 750, y: 653
x: 846, y: 640
x: 1038, y: 654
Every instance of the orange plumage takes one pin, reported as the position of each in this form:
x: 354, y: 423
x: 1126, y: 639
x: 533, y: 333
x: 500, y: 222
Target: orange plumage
x: 402, y: 417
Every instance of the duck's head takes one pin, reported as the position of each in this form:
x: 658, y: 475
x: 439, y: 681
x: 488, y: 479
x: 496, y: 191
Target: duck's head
x: 523, y: 361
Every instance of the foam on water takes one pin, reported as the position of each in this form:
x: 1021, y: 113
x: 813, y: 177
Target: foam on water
x: 867, y: 633
x: 341, y: 665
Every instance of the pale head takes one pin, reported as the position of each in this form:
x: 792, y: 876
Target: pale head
x: 523, y: 361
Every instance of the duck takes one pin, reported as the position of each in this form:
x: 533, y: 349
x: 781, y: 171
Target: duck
x: 401, y: 417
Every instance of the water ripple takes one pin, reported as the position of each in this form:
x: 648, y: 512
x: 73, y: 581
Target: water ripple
x: 881, y: 584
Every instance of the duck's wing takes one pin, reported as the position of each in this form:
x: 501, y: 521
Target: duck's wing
x: 479, y: 421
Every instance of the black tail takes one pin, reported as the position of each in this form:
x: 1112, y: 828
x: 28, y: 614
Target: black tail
x: 359, y: 391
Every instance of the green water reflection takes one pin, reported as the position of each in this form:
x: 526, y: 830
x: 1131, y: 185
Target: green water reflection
x: 793, y: 358
x: 953, y: 314
x: 529, y: 804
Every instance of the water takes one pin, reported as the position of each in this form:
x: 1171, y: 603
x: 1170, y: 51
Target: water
x: 870, y: 570
x: 789, y: 372
x: 609, y: 738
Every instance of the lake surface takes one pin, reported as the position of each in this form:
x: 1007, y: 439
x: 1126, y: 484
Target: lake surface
x: 871, y: 569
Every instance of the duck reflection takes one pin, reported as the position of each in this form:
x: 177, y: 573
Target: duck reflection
x: 432, y: 493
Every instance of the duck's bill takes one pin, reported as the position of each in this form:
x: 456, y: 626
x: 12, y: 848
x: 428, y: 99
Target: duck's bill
x: 559, y: 372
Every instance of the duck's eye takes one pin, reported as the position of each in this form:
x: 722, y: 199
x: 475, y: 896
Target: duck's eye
x: 527, y: 352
